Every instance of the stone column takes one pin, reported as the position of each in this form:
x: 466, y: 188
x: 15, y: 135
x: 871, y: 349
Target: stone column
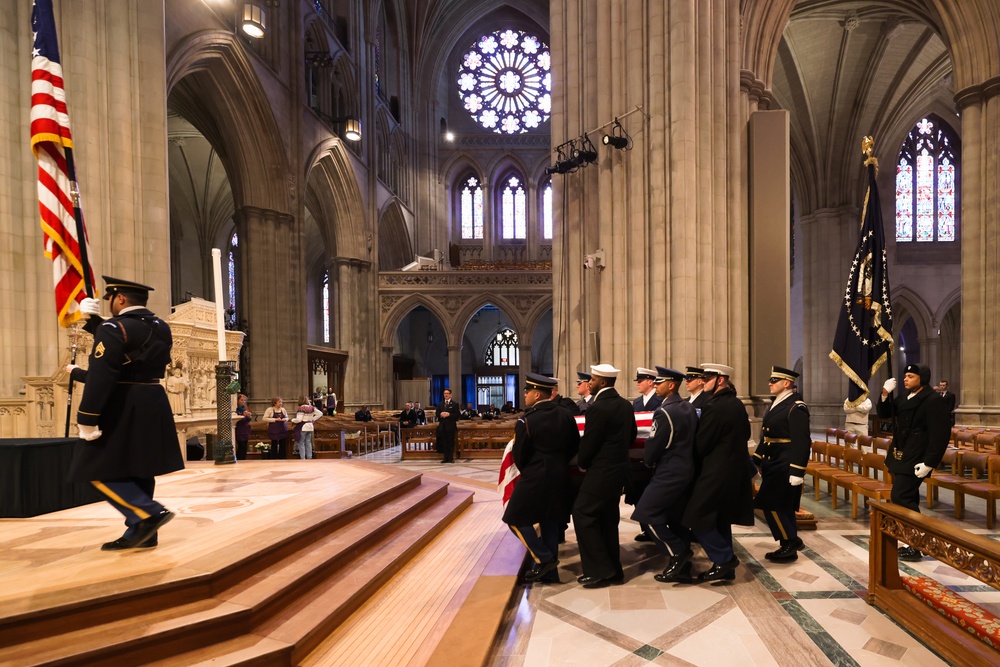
x: 455, y: 372
x: 533, y: 219
x: 355, y: 322
x: 524, y: 367
x: 389, y: 390
x: 666, y: 213
x: 979, y: 400
x: 490, y: 235
x: 273, y: 300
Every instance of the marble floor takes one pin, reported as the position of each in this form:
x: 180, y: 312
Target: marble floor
x: 810, y: 612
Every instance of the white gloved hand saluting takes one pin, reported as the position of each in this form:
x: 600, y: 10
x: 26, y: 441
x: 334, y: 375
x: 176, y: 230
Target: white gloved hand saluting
x: 921, y: 470
x: 889, y: 386
x: 90, y: 306
x: 795, y: 481
x: 89, y: 433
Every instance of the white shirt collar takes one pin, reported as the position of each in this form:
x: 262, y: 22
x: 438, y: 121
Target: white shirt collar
x: 125, y: 310
x: 780, y: 397
x: 602, y: 391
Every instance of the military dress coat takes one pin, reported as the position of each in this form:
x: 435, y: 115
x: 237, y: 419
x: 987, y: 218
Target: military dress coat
x: 921, y: 432
x: 447, y: 427
x: 669, y: 452
x: 608, y: 433
x: 723, y: 486
x: 122, y: 396
x: 783, y: 451
x: 649, y: 406
x: 545, y: 439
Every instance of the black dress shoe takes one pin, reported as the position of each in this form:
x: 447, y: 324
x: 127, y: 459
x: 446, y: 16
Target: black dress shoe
x: 147, y: 528
x: 643, y: 537
x: 785, y: 554
x: 540, y: 570
x: 122, y: 544
x: 721, y: 571
x: 910, y: 554
x: 677, y: 570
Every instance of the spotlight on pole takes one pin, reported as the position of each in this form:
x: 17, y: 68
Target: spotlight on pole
x: 617, y: 138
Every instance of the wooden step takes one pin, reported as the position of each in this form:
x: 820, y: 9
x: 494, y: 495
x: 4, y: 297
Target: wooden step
x: 245, y: 651
x: 381, y: 541
x: 89, y: 606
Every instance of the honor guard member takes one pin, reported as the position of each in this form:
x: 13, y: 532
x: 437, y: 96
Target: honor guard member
x: 782, y: 456
x: 647, y: 400
x: 447, y: 428
x: 583, y: 391
x: 669, y: 452
x: 722, y: 494
x: 694, y: 382
x: 920, y: 438
x: 545, y: 438
x: 608, y: 433
x: 565, y: 402
x: 125, y: 420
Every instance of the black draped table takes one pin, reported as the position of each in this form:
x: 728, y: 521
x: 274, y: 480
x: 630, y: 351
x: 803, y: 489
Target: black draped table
x: 33, y: 477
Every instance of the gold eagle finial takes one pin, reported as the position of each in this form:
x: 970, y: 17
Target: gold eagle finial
x: 867, y: 146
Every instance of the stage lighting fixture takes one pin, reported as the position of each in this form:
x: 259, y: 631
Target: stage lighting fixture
x: 621, y: 143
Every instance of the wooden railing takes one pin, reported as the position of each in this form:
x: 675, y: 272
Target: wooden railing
x: 974, y: 555
x: 476, y: 440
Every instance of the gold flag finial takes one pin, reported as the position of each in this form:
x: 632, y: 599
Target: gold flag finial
x: 867, y: 146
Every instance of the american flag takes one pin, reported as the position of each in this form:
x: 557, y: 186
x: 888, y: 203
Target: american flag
x: 58, y: 193
x: 509, y: 472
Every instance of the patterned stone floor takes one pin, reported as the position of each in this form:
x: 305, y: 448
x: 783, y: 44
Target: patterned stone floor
x: 810, y: 612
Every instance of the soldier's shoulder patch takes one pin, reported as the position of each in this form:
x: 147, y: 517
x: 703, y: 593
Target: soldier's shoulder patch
x: 800, y: 403
x: 99, y: 350
x: 109, y: 323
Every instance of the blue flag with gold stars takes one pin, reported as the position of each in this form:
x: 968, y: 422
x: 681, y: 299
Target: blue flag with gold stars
x: 863, y: 341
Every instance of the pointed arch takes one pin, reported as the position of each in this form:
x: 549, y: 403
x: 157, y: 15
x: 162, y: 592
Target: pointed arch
x: 402, y: 308
x: 465, y: 314
x: 394, y: 247
x: 332, y: 186
x: 213, y: 84
x: 907, y: 302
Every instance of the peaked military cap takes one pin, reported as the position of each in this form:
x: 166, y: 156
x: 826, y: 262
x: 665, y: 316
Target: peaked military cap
x: 644, y: 374
x: 716, y: 369
x: 114, y: 286
x: 694, y: 373
x: 582, y: 377
x: 784, y: 373
x: 536, y: 381
x: 664, y: 374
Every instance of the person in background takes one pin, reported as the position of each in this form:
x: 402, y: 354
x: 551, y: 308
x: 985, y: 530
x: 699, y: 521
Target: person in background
x: 469, y: 412
x: 949, y: 399
x: 331, y: 403
x: 242, y: 427
x: 447, y: 428
x: 421, y: 415
x: 277, y: 428
x: 363, y: 415
x: 583, y: 391
x: 857, y: 416
x: 304, y: 418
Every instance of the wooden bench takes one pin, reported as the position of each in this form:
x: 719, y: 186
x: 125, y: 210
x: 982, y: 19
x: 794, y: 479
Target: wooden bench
x: 974, y: 555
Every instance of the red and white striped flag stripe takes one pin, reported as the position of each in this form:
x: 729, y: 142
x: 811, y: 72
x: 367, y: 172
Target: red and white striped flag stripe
x: 509, y: 472
x: 52, y: 144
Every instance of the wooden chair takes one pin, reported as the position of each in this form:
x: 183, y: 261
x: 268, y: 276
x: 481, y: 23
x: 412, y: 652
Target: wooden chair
x: 987, y: 488
x: 881, y: 444
x: 831, y: 433
x: 966, y: 440
x: 865, y: 442
x: 986, y: 442
x: 953, y: 481
x: 844, y: 478
x: 834, y: 466
x: 841, y: 434
x: 873, y: 487
x: 851, y: 440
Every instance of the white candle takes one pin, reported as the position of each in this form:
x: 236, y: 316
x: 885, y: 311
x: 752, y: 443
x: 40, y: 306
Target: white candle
x: 220, y: 321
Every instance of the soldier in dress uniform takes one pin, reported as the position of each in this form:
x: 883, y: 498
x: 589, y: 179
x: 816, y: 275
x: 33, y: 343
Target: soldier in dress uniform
x: 125, y: 421
x: 545, y: 439
x: 583, y: 391
x: 647, y: 400
x: 669, y: 452
x: 609, y: 432
x: 782, y: 456
x: 694, y: 382
x: 920, y: 437
x: 565, y: 402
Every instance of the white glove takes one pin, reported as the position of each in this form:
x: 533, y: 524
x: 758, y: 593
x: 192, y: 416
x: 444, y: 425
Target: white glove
x: 890, y: 385
x: 89, y: 433
x: 795, y: 481
x: 70, y: 367
x: 921, y: 470
x: 90, y: 306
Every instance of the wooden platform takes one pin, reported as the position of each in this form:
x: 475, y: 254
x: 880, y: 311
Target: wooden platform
x: 264, y: 562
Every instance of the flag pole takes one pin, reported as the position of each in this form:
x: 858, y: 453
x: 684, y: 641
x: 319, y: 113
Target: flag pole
x: 88, y: 285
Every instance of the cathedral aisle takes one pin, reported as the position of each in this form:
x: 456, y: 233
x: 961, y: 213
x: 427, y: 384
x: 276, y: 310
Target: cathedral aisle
x: 809, y: 612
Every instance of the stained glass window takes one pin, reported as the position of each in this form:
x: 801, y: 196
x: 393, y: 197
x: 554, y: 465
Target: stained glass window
x: 504, y: 82
x: 547, y: 211
x: 471, y: 208
x: 234, y: 244
x: 503, y: 349
x: 326, y: 306
x: 926, y: 175
x: 513, y: 214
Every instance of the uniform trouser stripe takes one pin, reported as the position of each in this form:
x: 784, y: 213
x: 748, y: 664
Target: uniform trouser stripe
x: 115, y: 498
x: 781, y: 527
x: 525, y: 543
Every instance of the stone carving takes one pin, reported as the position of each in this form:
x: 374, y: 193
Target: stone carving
x: 388, y: 302
x: 177, y: 390
x: 453, y: 303
x: 974, y: 564
x: 458, y: 278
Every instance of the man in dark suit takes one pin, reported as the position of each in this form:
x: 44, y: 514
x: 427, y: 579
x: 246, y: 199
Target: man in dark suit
x: 545, y: 439
x: 447, y: 428
x: 363, y: 415
x: 723, y: 488
x: 919, y: 440
x: 669, y: 453
x: 949, y: 399
x: 125, y: 420
x: 608, y: 433
x: 421, y: 415
x: 782, y: 456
